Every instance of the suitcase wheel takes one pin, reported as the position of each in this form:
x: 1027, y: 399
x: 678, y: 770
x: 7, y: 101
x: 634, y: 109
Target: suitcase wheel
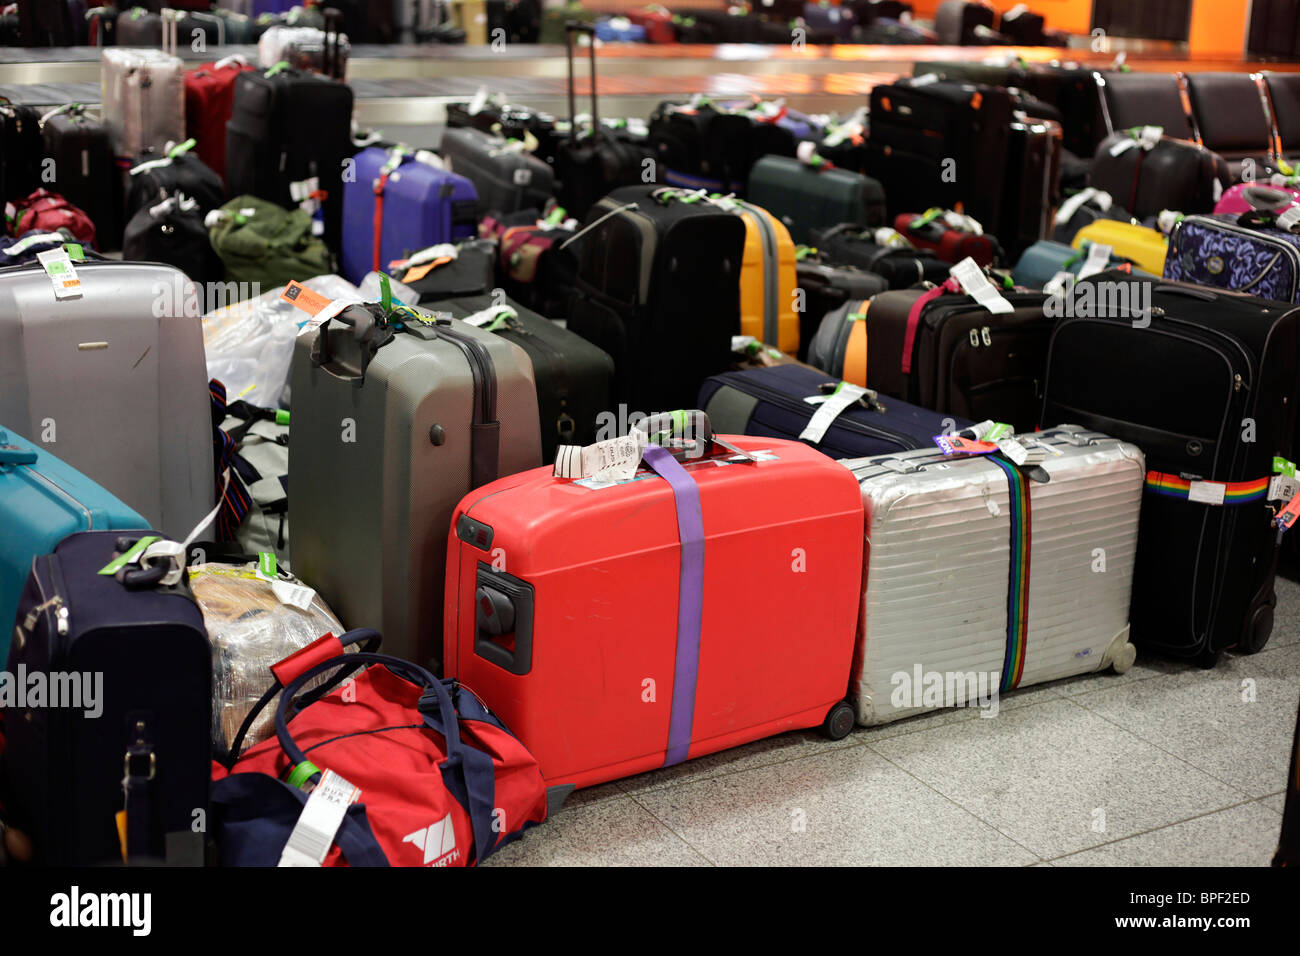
x: 839, y: 721
x: 1257, y: 631
x: 1124, y: 657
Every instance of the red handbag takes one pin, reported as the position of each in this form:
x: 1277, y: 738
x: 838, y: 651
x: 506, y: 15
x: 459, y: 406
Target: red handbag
x: 442, y: 781
x: 45, y: 211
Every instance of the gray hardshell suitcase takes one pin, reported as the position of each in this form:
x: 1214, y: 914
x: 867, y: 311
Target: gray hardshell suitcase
x: 381, y: 451
x: 114, y: 382
x: 143, y: 99
x: 954, y: 545
x: 807, y: 198
x: 506, y: 177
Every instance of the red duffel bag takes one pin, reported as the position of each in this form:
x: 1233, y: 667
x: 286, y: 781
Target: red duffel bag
x: 433, y: 777
x: 44, y: 211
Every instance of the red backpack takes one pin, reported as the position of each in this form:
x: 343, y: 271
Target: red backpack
x: 45, y: 211
x: 441, y: 780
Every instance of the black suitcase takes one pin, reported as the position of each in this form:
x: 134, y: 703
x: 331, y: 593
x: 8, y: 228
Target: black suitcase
x: 1032, y: 189
x: 172, y: 232
x: 825, y: 287
x: 772, y: 403
x: 472, y: 272
x: 154, y: 178
x: 513, y: 122
x: 505, y: 177
x: 520, y: 21
x: 147, y: 646
x: 1068, y: 222
x: 101, y: 25
x: 86, y: 171
x: 286, y: 128
x: 1173, y: 174
x: 575, y: 379
x: 941, y: 143
x: 1023, y: 29
x: 697, y: 146
x: 588, y: 168
x: 963, y: 360
x: 1205, y: 384
x: 21, y: 151
x: 139, y: 27
x: 44, y: 23
x: 957, y: 21
x: 899, y: 266
x: 659, y: 290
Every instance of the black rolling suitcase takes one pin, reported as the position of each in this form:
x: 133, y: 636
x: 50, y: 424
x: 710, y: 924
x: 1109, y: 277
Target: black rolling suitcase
x: 659, y: 290
x: 86, y: 171
x: 22, y: 148
x: 1151, y: 176
x: 574, y: 378
x: 943, y: 350
x: 1032, y: 188
x: 899, y: 266
x: 825, y: 287
x: 506, y: 177
x: 513, y: 122
x: 1205, y: 383
x: 290, y: 130
x: 697, y: 146
x: 147, y: 753
x: 957, y: 22
x: 589, y: 167
x: 941, y: 143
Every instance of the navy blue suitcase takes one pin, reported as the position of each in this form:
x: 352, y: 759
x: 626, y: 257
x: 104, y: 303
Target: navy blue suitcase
x: 772, y: 403
x: 141, y: 742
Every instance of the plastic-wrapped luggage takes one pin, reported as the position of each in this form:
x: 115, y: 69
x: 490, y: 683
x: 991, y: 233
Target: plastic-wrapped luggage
x: 983, y: 575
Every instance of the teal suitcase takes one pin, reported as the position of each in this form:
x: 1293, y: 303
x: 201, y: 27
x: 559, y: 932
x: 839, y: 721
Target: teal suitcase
x: 1045, y: 258
x: 807, y: 198
x: 42, y: 501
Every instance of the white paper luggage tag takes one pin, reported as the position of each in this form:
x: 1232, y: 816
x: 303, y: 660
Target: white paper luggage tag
x: 36, y: 239
x: 319, y: 822
x: 844, y: 395
x: 58, y: 266
x: 1097, y: 260
x: 1061, y: 283
x: 612, y: 460
x: 976, y: 285
x: 1282, y: 487
x: 1289, y: 218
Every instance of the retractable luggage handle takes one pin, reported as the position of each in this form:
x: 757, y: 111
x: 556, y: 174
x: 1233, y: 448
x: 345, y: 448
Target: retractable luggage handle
x: 570, y: 28
x: 371, y: 333
x: 332, y: 55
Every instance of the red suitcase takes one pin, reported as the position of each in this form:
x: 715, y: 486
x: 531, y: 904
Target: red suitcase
x: 209, y: 101
x: 707, y: 602
x: 949, y: 244
x: 657, y: 21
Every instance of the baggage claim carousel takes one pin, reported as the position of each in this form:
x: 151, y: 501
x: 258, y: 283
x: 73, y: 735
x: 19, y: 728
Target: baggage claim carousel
x: 403, y: 90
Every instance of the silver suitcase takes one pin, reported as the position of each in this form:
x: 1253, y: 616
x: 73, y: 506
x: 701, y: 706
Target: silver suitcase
x: 143, y: 99
x: 951, y: 541
x: 380, y: 458
x: 114, y: 382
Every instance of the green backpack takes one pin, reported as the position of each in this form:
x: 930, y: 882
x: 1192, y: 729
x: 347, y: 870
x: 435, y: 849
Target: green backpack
x: 259, y: 242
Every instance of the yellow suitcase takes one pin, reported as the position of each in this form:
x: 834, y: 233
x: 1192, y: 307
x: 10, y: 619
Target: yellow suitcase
x: 1146, y: 247
x: 768, y: 309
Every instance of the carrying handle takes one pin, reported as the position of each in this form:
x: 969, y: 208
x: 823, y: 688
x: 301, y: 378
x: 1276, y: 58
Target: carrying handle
x: 12, y: 454
x: 1267, y: 198
x: 370, y: 331
x: 570, y: 28
x: 686, y: 425
x: 433, y: 688
x: 1190, y: 292
x: 365, y: 638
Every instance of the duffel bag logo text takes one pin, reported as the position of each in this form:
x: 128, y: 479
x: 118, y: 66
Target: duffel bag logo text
x: 438, y: 842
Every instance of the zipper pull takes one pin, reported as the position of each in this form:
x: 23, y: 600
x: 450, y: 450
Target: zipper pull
x: 986, y: 336
x: 29, y: 622
x: 1236, y: 382
x: 61, y: 620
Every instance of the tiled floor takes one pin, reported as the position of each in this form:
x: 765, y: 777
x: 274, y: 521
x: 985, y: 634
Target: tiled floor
x: 1167, y: 765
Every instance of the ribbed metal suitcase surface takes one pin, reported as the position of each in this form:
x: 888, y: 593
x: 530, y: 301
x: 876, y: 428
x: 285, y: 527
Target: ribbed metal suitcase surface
x: 114, y: 383
x: 980, y: 577
x: 382, y: 466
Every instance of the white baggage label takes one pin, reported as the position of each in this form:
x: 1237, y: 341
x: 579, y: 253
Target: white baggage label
x: 1097, y: 261
x: 844, y: 396
x: 1282, y: 488
x: 615, y: 459
x: 295, y: 595
x: 1060, y: 283
x: 1206, y: 492
x: 321, y: 817
x: 976, y: 285
x: 58, y: 266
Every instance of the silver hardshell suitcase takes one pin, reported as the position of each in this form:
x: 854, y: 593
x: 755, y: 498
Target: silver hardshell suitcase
x: 114, y: 382
x: 380, y: 458
x: 143, y: 99
x: 952, y: 541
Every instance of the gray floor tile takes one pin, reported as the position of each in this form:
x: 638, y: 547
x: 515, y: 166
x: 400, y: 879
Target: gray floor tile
x: 846, y: 807
x: 1201, y: 716
x: 1286, y: 620
x: 760, y: 753
x: 1049, y: 776
x: 1275, y: 802
x: 592, y: 795
x: 609, y: 833
x: 1239, y: 836
x: 1145, y: 668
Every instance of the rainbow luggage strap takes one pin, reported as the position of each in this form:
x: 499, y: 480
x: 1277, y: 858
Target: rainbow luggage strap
x: 1013, y: 665
x: 1234, y: 492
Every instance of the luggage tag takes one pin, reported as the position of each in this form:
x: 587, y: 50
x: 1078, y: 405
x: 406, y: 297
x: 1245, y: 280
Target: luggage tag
x: 425, y: 261
x: 975, y: 284
x: 604, y: 463
x: 319, y: 309
x: 1145, y: 137
x: 1284, y: 485
x: 832, y: 406
x: 1061, y: 283
x: 1097, y: 260
x: 891, y: 238
x: 58, y: 266
x: 319, y: 822
x: 492, y: 318
x: 1076, y: 202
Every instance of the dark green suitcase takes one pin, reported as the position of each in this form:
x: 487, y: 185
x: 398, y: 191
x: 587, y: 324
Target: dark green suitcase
x: 807, y: 198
